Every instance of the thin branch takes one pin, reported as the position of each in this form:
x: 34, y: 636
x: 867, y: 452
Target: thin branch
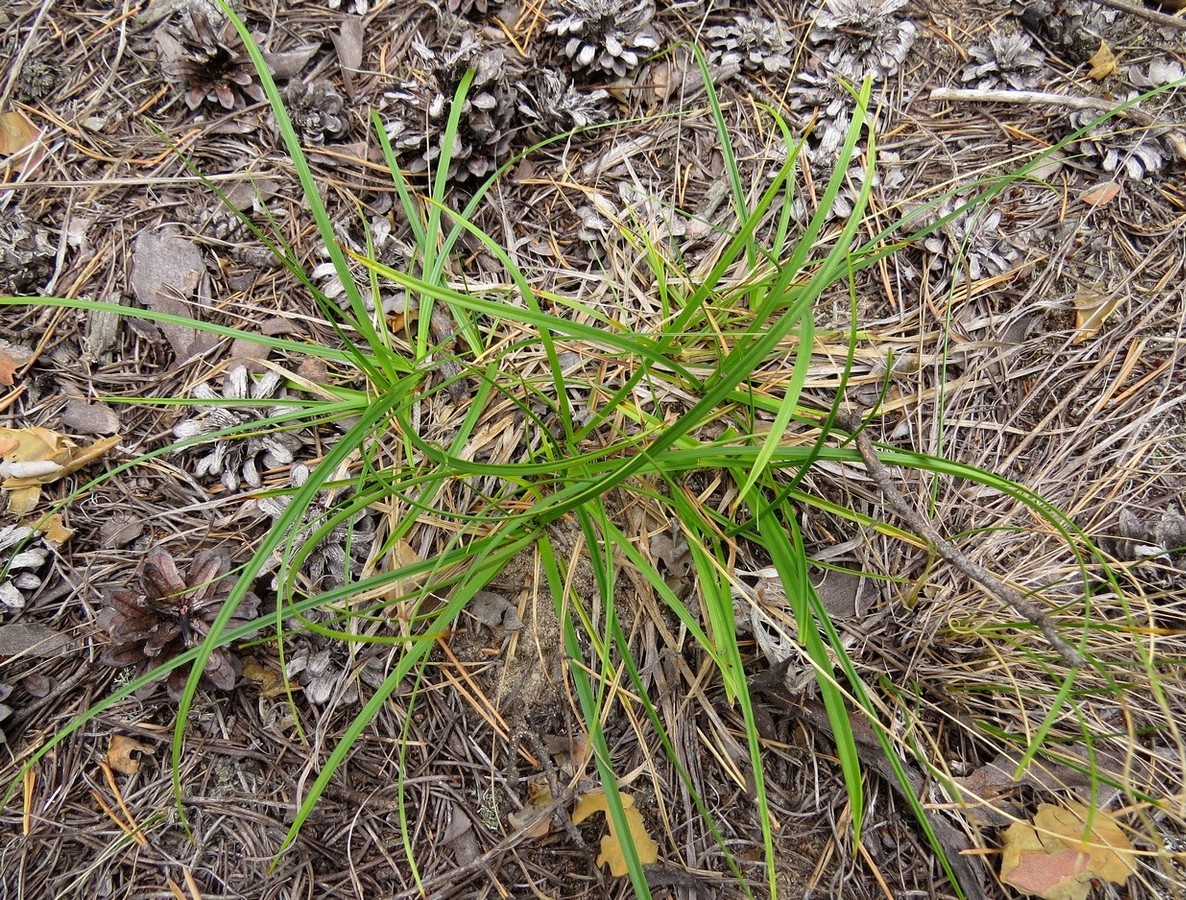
x: 1172, y: 136
x: 1143, y: 12
x: 1022, y: 605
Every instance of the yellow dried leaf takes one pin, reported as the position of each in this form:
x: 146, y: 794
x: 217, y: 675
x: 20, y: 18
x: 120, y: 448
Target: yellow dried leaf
x: 119, y: 754
x: 55, y: 531
x: 1103, y: 63
x: 1108, y: 849
x: 612, y: 851
x: 36, y: 456
x: 16, y: 132
x: 270, y: 684
x: 1051, y: 859
x: 539, y: 798
x: 28, y: 444
x: 1091, y: 311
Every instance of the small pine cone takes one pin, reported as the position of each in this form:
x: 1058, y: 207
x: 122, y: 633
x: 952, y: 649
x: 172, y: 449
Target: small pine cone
x: 755, y: 43
x: 210, y: 62
x: 38, y: 79
x: 340, y: 555
x: 471, y: 7
x: 5, y: 709
x: 554, y: 106
x: 238, y: 458
x: 608, y: 36
x: 1135, y: 152
x: 822, y: 104
x: 384, y: 248
x: 862, y: 38
x: 315, y: 110
x: 970, y: 245
x: 1007, y: 59
x: 27, y: 254
x: 169, y: 614
x: 328, y: 671
x: 487, y: 121
x: 1157, y: 544
x: 23, y: 557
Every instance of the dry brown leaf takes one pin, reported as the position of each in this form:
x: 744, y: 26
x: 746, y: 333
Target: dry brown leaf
x: 1102, y: 193
x: 539, y: 798
x: 1103, y: 63
x: 119, y: 754
x: 1091, y: 311
x: 89, y: 418
x: 33, y: 641
x: 1051, y: 859
x: 612, y: 851
x: 288, y: 63
x: 55, y: 531
x: 16, y: 132
x: 270, y: 684
x: 8, y: 369
x: 36, y: 456
x: 169, y: 276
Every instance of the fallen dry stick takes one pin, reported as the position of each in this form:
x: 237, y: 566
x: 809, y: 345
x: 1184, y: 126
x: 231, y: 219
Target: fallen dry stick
x: 1172, y: 136
x: 1024, y: 607
x: 1150, y: 15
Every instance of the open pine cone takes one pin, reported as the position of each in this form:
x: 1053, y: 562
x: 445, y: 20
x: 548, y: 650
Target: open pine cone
x: 552, y: 105
x: 859, y: 38
x: 211, y: 62
x: 609, y: 36
x: 753, y: 42
x: 169, y: 614
x: 419, y: 110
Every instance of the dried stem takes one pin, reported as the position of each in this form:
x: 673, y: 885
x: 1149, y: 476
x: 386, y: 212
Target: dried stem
x: 1022, y: 605
x: 1173, y: 137
x: 1143, y: 12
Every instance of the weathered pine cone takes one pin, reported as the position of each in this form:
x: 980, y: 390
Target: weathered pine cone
x: 170, y: 614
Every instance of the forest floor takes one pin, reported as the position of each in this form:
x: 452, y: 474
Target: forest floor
x: 1038, y: 335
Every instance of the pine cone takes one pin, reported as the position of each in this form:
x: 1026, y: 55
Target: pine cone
x: 1007, y: 59
x: 554, y: 106
x: 38, y: 79
x: 238, y: 457
x: 470, y: 7
x: 341, y: 553
x: 610, y: 36
x: 969, y: 245
x: 384, y: 248
x: 23, y: 555
x: 755, y: 43
x: 358, y: 7
x: 486, y: 126
x: 315, y: 110
x: 5, y: 709
x: 863, y: 38
x: 27, y: 254
x: 171, y: 614
x: 1135, y: 152
x: 211, y: 62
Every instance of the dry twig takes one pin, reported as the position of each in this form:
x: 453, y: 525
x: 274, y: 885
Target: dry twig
x: 1143, y: 12
x: 1172, y: 136
x: 989, y: 582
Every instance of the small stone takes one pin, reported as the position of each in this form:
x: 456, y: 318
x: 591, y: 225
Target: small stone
x: 89, y: 418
